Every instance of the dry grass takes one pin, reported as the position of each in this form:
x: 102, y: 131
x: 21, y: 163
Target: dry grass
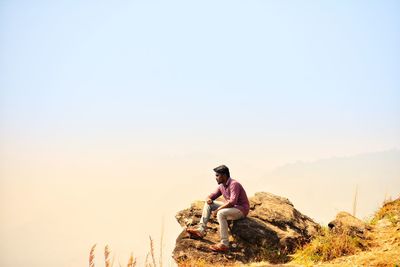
x: 355, y: 202
x: 132, y: 261
x: 108, y: 262
x: 91, y: 256
x: 149, y: 262
x: 153, y: 258
x: 326, y: 247
x: 390, y: 211
x: 107, y: 259
x: 161, y: 244
x: 383, y: 248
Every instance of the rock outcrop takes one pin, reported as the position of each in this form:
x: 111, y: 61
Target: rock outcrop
x: 272, y: 231
x: 345, y: 223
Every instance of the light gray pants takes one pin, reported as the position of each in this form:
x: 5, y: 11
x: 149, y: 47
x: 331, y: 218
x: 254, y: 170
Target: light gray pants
x: 222, y: 216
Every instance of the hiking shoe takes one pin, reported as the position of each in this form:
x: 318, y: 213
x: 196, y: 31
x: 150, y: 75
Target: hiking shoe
x: 219, y: 247
x: 195, y: 233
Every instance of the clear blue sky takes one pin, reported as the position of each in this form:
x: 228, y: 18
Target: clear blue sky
x: 257, y: 70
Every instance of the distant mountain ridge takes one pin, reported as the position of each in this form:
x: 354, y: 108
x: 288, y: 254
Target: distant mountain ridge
x: 324, y: 187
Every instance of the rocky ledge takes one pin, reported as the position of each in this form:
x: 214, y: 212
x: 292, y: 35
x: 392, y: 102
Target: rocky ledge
x: 272, y: 231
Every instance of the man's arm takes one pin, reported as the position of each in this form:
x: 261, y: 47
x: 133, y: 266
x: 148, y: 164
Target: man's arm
x: 235, y: 190
x: 214, y: 195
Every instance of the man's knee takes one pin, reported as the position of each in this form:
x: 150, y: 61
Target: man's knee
x: 207, y: 206
x: 221, y: 214
x: 229, y: 214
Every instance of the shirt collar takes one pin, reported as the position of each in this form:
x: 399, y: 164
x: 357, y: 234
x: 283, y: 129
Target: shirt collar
x: 228, y: 182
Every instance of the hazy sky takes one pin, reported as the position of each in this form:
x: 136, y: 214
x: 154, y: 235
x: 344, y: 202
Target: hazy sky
x: 113, y: 113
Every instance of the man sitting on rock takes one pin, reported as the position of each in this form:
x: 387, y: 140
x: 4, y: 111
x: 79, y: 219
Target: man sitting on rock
x: 235, y: 207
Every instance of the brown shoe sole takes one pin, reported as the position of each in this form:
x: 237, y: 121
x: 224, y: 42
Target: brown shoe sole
x: 217, y: 248
x: 195, y: 234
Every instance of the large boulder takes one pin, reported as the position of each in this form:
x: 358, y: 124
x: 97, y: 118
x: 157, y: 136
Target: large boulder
x: 271, y: 232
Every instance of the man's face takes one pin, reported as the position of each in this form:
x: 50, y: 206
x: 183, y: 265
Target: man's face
x: 221, y: 178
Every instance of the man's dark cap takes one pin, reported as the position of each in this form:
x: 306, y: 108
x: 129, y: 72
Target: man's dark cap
x: 222, y: 169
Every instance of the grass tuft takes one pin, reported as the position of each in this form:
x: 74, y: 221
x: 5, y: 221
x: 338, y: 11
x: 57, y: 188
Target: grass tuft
x: 389, y: 211
x: 153, y: 258
x: 328, y: 246
x: 91, y: 256
x: 132, y: 261
x: 107, y: 259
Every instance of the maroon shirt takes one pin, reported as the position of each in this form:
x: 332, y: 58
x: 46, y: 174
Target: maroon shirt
x: 233, y: 193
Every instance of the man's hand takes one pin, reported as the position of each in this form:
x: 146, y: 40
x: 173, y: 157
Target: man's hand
x: 209, y: 201
x: 214, y: 212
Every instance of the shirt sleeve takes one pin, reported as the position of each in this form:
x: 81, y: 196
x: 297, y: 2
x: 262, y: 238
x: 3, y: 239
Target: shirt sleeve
x: 235, y: 191
x: 215, y: 194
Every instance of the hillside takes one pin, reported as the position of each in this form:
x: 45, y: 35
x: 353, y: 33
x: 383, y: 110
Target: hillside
x: 377, y: 244
x: 383, y: 240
